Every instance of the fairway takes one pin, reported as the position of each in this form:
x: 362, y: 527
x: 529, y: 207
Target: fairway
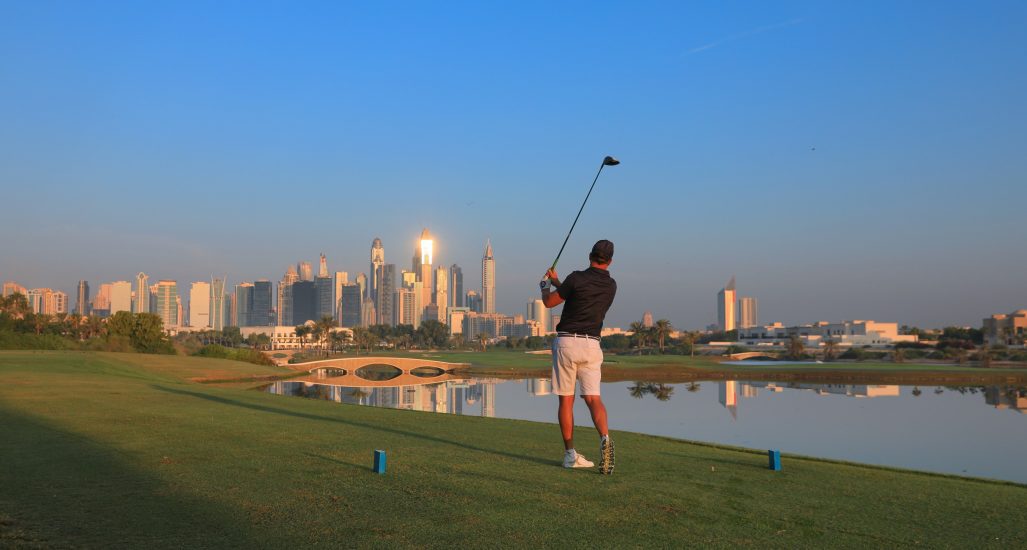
x: 123, y: 450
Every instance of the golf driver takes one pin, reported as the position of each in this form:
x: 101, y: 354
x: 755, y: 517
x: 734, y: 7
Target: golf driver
x: 608, y: 161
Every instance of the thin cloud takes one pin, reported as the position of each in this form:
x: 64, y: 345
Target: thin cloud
x: 746, y: 34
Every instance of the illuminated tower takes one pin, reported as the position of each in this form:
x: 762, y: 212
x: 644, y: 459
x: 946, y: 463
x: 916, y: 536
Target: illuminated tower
x: 488, y: 280
x: 199, y: 305
x: 424, y: 272
x: 726, y: 307
x: 217, y: 304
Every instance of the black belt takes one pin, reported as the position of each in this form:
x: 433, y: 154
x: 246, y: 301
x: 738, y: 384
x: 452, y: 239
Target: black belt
x: 572, y: 335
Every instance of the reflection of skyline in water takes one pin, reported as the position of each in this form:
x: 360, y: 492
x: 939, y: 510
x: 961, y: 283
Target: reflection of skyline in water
x: 730, y: 392
x: 442, y: 397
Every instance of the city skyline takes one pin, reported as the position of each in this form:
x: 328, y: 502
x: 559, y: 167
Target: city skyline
x: 836, y: 175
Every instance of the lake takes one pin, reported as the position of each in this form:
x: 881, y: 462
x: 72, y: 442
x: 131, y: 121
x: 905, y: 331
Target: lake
x: 974, y: 431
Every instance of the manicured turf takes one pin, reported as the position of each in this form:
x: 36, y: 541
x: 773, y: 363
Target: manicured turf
x: 110, y: 450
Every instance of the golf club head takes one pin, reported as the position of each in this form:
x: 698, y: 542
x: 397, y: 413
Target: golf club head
x: 610, y: 161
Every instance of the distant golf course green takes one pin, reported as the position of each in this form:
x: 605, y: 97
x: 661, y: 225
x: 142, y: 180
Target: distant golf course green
x: 123, y: 450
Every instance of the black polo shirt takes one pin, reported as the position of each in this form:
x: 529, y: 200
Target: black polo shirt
x: 588, y: 295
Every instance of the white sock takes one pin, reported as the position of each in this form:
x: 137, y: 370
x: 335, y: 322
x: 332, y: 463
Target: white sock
x: 571, y: 453
x: 604, y: 438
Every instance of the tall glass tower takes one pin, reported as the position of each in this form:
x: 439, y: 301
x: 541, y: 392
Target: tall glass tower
x: 488, y: 280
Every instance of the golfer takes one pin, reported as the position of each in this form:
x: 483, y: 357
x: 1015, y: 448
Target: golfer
x: 576, y: 354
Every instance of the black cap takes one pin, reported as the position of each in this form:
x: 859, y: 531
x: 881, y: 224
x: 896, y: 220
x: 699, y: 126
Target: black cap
x: 602, y: 251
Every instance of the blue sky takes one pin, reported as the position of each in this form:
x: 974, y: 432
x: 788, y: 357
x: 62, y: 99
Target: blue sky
x: 861, y: 161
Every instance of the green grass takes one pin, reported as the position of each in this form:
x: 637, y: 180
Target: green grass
x: 119, y: 450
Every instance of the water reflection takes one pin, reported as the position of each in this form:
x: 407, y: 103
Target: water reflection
x: 473, y: 396
x: 730, y: 392
x: 662, y: 392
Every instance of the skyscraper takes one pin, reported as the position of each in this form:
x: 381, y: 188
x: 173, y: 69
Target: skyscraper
x: 362, y: 283
x: 322, y: 269
x: 305, y: 270
x: 351, y: 303
x: 441, y: 292
x: 537, y: 312
x: 377, y: 261
x: 647, y: 319
x: 217, y: 314
x: 386, y: 294
x: 726, y: 307
x: 262, y: 310
x: 325, y: 290
x: 304, y: 302
x: 488, y: 280
x: 243, y: 304
x: 404, y: 305
x: 82, y: 298
x: 456, y: 286
x: 102, y: 301
x: 199, y: 305
x: 285, y: 296
x: 473, y: 301
x: 748, y: 313
x: 142, y: 303
x: 167, y: 302
x: 121, y: 296
x: 423, y: 266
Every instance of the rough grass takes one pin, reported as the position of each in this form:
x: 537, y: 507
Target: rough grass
x: 119, y: 450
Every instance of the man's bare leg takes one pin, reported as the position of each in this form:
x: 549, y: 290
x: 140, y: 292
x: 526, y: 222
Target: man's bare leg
x: 598, y: 410
x: 566, y: 416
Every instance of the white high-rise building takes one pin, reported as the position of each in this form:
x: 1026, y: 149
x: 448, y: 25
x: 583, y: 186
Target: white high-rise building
x: 488, y: 280
x: 102, y: 300
x: 218, y: 311
x: 537, y: 312
x: 377, y: 262
x: 748, y: 312
x: 199, y: 305
x: 121, y: 296
x: 167, y: 302
x: 726, y: 307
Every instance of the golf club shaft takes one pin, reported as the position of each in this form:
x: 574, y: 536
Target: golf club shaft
x: 578, y: 216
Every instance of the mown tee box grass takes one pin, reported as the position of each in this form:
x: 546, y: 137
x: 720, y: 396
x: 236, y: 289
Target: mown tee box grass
x: 122, y: 450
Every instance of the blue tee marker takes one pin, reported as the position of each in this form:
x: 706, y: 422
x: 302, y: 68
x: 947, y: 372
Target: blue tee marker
x: 379, y: 462
x: 775, y: 459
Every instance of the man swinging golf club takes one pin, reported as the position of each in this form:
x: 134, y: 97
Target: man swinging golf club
x: 577, y: 357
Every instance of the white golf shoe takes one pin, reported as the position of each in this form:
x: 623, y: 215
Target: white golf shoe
x: 572, y: 459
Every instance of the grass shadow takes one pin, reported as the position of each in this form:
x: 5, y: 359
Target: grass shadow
x: 354, y: 423
x: 63, y: 487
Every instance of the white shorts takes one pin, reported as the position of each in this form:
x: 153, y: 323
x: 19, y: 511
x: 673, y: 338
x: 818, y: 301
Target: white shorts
x: 576, y: 359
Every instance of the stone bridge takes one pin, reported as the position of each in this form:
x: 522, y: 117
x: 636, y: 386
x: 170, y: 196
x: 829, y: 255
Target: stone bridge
x: 749, y: 355
x: 376, y: 372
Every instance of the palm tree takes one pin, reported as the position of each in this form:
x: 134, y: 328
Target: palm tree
x: 693, y: 387
x: 690, y: 338
x: 323, y: 330
x: 641, y: 334
x: 916, y: 391
x: 301, y: 332
x: 898, y: 355
x: 795, y: 348
x: 663, y: 329
x: 830, y: 345
x: 483, y: 340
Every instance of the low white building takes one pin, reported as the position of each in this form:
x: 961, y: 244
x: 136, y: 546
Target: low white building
x: 858, y: 333
x: 284, y: 337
